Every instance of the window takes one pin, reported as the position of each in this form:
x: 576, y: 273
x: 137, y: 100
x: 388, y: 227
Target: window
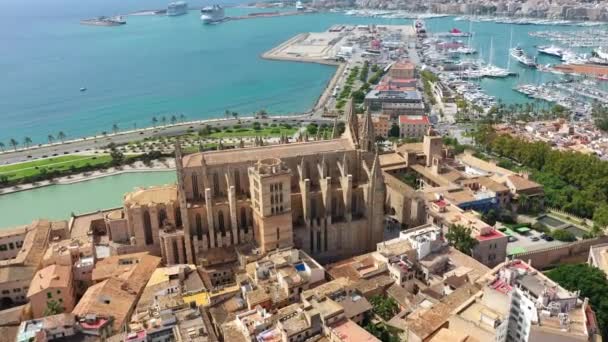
x: 6, y: 291
x: 11, y: 245
x: 58, y: 291
x: 148, y: 229
x: 3, y: 247
x: 49, y: 295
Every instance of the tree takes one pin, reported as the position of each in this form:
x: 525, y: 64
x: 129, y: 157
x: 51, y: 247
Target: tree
x: 2, y: 146
x: 394, y: 131
x: 227, y: 113
x: 261, y: 114
x: 117, y: 156
x: 381, y: 331
x: 182, y: 118
x: 256, y: 126
x: 490, y: 217
x: 50, y: 137
x: 115, y: 128
x: 235, y: 115
x: 154, y: 121
x: 563, y: 235
x: 27, y: 141
x: 460, y: 237
x: 600, y: 215
x: 13, y: 143
x: 384, y: 307
x: 61, y: 136
x: 206, y: 130
x: 52, y: 308
x: 163, y: 120
x: 173, y: 119
x: 591, y: 282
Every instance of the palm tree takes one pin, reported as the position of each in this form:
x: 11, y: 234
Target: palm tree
x: 51, y: 138
x: 14, y: 143
x: 1, y: 146
x: 235, y: 115
x: 27, y: 141
x: 115, y: 128
x: 163, y: 119
x: 173, y: 119
x: 227, y: 113
x: 61, y: 136
x: 182, y: 118
x: 154, y: 121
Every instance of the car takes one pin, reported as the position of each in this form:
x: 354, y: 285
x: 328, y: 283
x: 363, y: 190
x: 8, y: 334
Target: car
x: 512, y: 239
x: 535, y: 238
x: 543, y: 236
x: 548, y: 238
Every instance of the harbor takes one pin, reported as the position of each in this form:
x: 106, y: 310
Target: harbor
x: 286, y: 87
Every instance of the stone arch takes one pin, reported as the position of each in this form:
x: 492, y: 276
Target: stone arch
x: 148, y: 239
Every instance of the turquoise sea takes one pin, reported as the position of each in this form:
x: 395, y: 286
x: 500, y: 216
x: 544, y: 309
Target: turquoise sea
x: 159, y: 66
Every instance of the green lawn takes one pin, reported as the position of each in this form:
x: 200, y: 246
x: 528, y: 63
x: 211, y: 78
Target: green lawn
x: 61, y: 163
x: 250, y: 132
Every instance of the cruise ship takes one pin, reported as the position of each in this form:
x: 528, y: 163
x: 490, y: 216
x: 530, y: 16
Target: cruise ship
x: 212, y: 14
x: 519, y: 55
x: 177, y: 8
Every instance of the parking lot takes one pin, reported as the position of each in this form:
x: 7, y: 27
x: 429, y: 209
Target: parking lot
x: 526, y: 243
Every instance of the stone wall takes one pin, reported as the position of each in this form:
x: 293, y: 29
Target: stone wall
x: 569, y: 253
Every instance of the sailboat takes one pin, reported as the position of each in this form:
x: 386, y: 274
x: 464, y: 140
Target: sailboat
x: 491, y: 70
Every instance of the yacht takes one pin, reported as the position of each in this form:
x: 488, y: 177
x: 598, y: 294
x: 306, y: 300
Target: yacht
x: 601, y: 52
x: 519, y: 55
x: 177, y: 8
x: 551, y: 50
x: 212, y: 14
x: 420, y: 27
x: 299, y: 6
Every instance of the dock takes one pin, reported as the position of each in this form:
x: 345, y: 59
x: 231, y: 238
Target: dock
x: 583, y: 69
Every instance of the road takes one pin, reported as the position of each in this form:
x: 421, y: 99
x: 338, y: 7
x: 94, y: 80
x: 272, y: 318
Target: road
x: 99, y: 142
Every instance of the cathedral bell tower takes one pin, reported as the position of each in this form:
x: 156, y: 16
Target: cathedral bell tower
x: 270, y: 187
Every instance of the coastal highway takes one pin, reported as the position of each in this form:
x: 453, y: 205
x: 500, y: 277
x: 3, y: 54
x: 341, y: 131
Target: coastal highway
x: 99, y: 142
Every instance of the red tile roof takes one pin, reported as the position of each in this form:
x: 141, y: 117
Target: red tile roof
x: 494, y: 234
x: 414, y: 119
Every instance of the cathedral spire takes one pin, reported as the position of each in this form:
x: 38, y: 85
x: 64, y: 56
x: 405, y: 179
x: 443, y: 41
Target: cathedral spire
x: 368, y: 136
x: 352, y: 123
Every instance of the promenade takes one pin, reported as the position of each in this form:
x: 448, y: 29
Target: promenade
x: 99, y: 142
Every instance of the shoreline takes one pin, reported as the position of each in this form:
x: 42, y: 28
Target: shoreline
x: 83, y: 178
x: 326, y: 93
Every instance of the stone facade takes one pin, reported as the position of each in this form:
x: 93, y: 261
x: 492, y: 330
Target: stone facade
x: 325, y: 197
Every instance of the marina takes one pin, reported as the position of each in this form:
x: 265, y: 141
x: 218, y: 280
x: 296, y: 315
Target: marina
x: 287, y: 87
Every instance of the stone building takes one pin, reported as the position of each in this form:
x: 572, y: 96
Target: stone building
x: 325, y: 197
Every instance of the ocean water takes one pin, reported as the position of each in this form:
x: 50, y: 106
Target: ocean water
x: 160, y: 66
